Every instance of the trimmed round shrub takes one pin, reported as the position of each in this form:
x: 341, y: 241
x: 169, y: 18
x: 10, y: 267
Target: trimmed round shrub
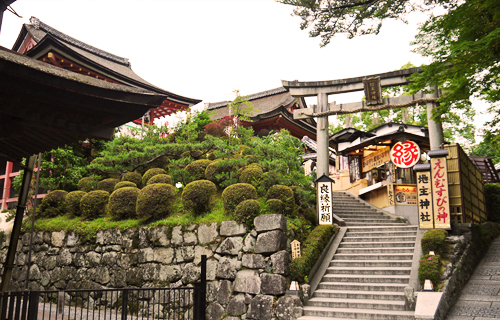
x: 133, y: 177
x: 198, y: 196
x: 195, y: 154
x: 247, y: 211
x: 160, y: 178
x: 251, y: 175
x: 125, y: 184
x: 107, y: 184
x: 151, y: 173
x: 275, y: 206
x: 53, y: 204
x: 122, y: 203
x: 237, y: 193
x: 215, y: 168
x: 73, y: 202
x: 87, y: 184
x: 94, y: 204
x: 283, y: 193
x: 434, y: 240
x: 197, y: 169
x: 155, y: 201
x: 429, y: 268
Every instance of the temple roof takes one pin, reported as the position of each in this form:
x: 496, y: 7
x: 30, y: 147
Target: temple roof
x: 114, y: 67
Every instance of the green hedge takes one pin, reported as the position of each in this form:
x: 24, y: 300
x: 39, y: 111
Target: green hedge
x: 311, y: 250
x: 236, y: 193
x: 492, y: 197
x: 429, y: 268
x: 197, y: 169
x: 160, y: 178
x: 94, y: 204
x: 53, y: 204
x: 125, y: 184
x: 285, y: 194
x: 275, y: 206
x: 107, y: 184
x: 434, y: 240
x: 73, y: 202
x: 155, y: 201
x: 247, y: 211
x: 87, y: 184
x: 133, y: 177
x: 198, y: 196
x: 151, y: 173
x: 122, y: 203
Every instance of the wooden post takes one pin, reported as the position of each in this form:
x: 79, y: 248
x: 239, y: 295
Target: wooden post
x: 322, y: 164
x: 436, y: 137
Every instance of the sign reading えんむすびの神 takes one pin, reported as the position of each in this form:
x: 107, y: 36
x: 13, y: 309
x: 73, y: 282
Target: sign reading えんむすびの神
x: 325, y: 199
x: 440, y: 196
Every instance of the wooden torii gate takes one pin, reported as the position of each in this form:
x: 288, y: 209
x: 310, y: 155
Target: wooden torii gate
x: 321, y: 89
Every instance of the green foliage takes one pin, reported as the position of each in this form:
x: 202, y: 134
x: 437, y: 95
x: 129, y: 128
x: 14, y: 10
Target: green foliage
x: 151, y: 173
x: 237, y: 193
x: 53, y: 204
x: 434, y: 240
x: 251, y: 175
x: 124, y: 184
x: 219, y: 172
x: 275, y: 206
x: 197, y: 168
x: 198, y: 196
x: 311, y: 250
x: 94, y: 204
x: 73, y: 202
x: 246, y: 211
x: 87, y: 184
x: 160, y: 178
x: 122, y: 203
x: 285, y: 194
x: 492, y: 199
x: 489, y: 147
x: 429, y: 268
x: 155, y: 201
x: 133, y: 177
x: 107, y: 184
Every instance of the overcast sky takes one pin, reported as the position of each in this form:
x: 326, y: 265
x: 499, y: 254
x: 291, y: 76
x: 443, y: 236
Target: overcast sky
x: 206, y: 49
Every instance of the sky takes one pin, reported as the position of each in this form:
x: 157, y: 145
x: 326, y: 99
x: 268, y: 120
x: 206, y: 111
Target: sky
x: 207, y: 49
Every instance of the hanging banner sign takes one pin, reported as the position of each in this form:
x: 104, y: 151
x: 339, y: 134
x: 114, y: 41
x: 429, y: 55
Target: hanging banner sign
x: 376, y: 159
x: 390, y: 194
x: 406, y: 195
x: 425, y: 214
x: 440, y: 196
x: 354, y: 168
x: 325, y: 199
x: 405, y: 154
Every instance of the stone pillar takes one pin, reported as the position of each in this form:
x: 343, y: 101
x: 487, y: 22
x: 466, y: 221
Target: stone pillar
x: 322, y: 136
x: 436, y: 136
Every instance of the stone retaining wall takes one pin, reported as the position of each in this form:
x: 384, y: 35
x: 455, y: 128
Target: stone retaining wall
x: 247, y: 271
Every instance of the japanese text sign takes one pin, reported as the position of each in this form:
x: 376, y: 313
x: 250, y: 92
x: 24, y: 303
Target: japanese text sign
x: 405, y: 154
x: 376, y: 159
x: 373, y: 91
x: 425, y: 213
x: 295, y: 244
x: 390, y: 194
x: 440, y: 196
x: 406, y: 195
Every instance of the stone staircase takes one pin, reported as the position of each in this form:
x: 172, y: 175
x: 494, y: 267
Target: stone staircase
x: 370, y: 269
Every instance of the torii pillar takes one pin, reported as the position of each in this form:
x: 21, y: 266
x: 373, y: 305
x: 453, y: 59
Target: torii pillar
x: 321, y: 89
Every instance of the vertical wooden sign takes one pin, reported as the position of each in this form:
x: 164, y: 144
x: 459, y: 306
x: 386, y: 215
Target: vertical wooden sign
x: 440, y: 196
x: 325, y: 199
x: 390, y: 194
x: 424, y: 202
x: 295, y: 244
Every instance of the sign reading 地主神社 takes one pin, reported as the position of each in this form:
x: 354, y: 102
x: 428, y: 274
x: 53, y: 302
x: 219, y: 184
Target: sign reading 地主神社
x: 440, y: 196
x: 405, y: 154
x: 424, y: 193
x: 325, y: 199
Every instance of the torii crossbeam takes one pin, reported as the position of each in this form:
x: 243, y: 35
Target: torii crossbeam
x: 321, y: 89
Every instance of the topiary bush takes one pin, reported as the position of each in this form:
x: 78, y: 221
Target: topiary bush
x: 434, y: 240
x: 492, y: 200
x: 133, y: 177
x: 247, y: 211
x: 217, y: 167
x: 125, y: 184
x: 275, y: 206
x: 87, y: 184
x: 73, y: 202
x: 122, y: 203
x: 285, y: 194
x: 251, y: 175
x: 94, y: 204
x: 107, y: 184
x: 151, y: 173
x: 160, y: 162
x: 429, y: 268
x: 311, y: 250
x: 198, y: 196
x: 160, y: 178
x: 53, y: 204
x: 197, y: 169
x: 237, y: 193
x: 155, y: 201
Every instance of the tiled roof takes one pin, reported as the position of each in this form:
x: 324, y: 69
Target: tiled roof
x: 258, y: 95
x: 39, y: 25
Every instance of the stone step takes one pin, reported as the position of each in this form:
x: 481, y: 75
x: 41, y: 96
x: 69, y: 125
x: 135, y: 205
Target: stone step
x: 371, y: 221
x: 381, y: 233
x: 350, y: 204
x: 361, y: 215
x: 356, y: 303
x: 375, y: 224
x: 359, y: 244
x: 369, y: 270
x: 361, y: 286
x: 384, y: 250
x: 373, y: 257
x: 357, y: 313
x: 354, y: 209
x: 378, y: 239
x: 397, y: 228
x: 371, y: 263
x: 351, y: 278
x: 345, y: 294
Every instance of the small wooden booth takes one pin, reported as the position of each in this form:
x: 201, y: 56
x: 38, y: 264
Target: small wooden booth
x: 367, y: 167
